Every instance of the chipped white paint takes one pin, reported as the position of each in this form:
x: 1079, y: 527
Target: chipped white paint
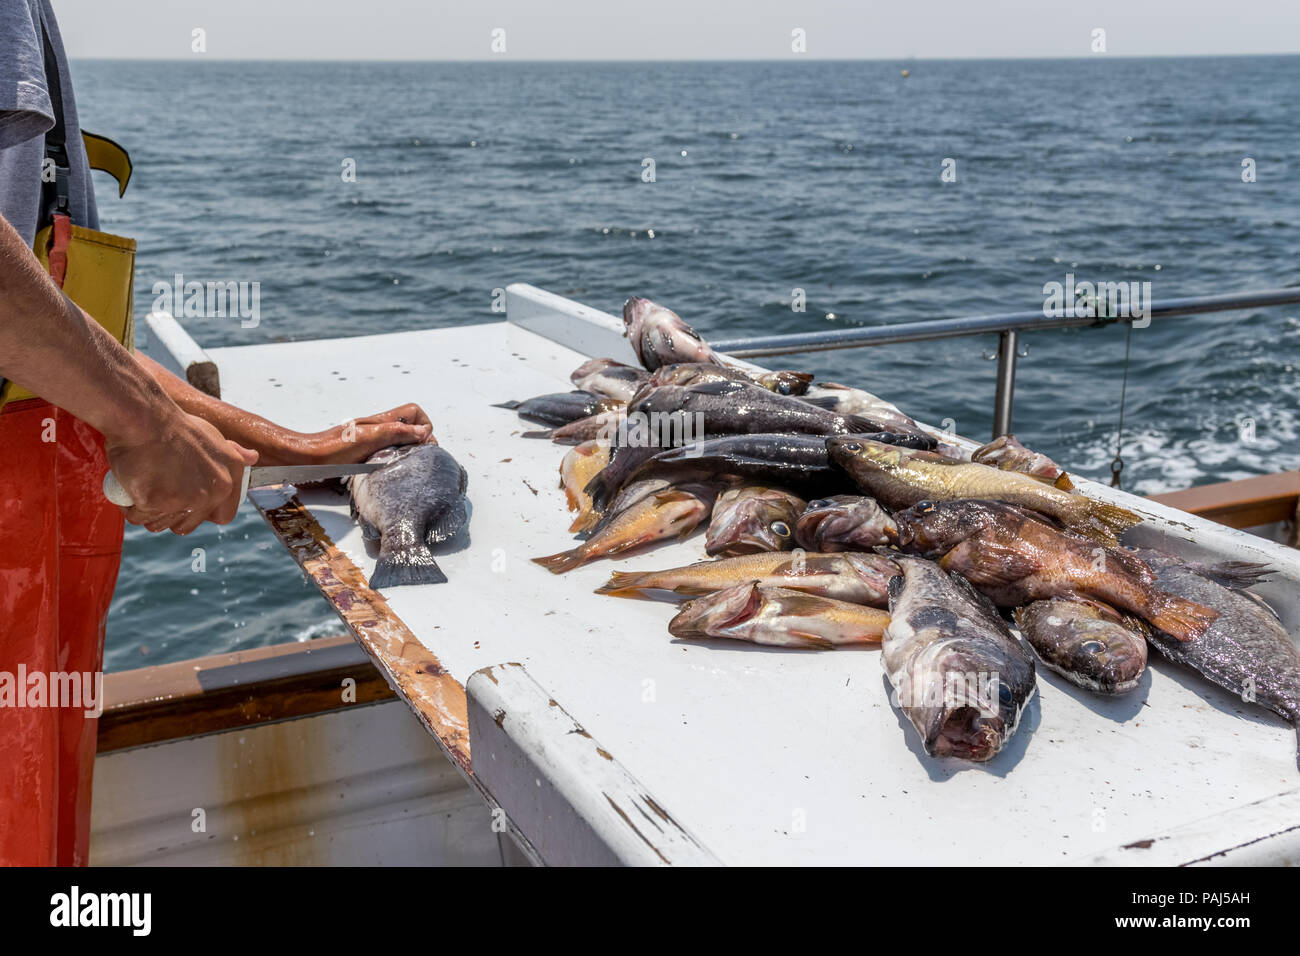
x: 1274, y: 821
x: 583, y: 808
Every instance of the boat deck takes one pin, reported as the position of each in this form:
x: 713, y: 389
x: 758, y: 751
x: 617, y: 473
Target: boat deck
x: 719, y: 751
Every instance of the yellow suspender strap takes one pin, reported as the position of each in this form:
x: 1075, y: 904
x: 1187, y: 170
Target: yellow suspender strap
x: 107, y: 156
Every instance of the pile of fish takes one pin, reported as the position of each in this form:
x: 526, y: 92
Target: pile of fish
x: 832, y: 518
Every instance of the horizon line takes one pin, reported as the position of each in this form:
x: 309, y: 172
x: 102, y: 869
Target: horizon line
x: 498, y: 58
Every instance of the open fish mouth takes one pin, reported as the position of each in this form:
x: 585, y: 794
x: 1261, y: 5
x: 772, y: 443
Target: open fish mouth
x: 696, y: 618
x: 966, y: 732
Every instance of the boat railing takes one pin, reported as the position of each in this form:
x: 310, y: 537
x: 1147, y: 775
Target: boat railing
x: 1009, y: 326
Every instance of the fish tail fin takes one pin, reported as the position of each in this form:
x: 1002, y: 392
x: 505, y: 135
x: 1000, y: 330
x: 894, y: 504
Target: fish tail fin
x: 403, y: 566
x: 1181, y: 619
x: 563, y: 561
x: 623, y: 584
x: 1063, y: 482
x: 510, y: 405
x: 1109, y: 520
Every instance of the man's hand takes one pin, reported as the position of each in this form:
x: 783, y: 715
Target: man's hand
x: 361, y: 438
x: 180, y: 476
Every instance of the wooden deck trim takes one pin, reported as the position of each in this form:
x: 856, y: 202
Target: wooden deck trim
x: 1247, y: 503
x: 211, y: 694
x: 436, y: 698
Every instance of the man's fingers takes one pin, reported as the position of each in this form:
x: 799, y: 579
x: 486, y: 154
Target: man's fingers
x: 163, y: 522
x: 151, y: 520
x: 371, y: 438
x: 409, y: 413
x: 186, y: 523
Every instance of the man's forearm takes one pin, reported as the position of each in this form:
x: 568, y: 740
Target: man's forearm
x: 53, y: 348
x: 275, y: 445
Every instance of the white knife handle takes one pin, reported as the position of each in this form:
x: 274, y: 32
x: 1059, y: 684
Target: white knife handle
x: 115, y: 493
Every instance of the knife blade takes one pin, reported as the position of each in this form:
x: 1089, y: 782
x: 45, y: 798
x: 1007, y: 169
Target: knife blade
x: 258, y: 476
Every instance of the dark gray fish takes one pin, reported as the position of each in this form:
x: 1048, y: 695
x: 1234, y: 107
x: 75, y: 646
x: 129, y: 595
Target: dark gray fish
x: 958, y: 673
x: 844, y: 523
x: 660, y: 337
x: 780, y: 459
x: 697, y: 373
x: 415, y: 502
x: 732, y: 408
x: 560, y: 408
x: 1099, y: 650
x: 610, y: 379
x: 1246, y: 650
x: 752, y: 518
x: 800, y: 462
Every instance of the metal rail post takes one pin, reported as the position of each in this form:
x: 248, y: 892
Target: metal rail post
x: 1005, y: 396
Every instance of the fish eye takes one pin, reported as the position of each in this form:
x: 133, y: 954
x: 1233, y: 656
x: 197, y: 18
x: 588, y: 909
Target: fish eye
x: 924, y: 507
x: 819, y: 503
x: 851, y: 446
x: 1092, y: 647
x: 780, y: 529
x: 1004, y: 694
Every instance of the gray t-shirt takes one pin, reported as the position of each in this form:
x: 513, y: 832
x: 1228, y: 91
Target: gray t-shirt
x: 26, y: 114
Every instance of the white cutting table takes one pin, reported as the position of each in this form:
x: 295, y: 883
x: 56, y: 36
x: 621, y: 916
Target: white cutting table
x: 614, y: 742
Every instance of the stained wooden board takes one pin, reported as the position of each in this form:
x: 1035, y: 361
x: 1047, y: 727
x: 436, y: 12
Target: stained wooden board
x: 765, y: 756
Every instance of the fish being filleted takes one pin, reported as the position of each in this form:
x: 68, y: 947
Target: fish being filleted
x: 899, y: 478
x: 1246, y: 651
x: 854, y: 401
x: 844, y: 523
x: 778, y: 617
x: 1016, y: 556
x: 856, y: 578
x: 753, y: 518
x: 1006, y: 453
x: 610, y: 379
x: 581, y: 464
x: 560, y: 408
x: 783, y: 382
x: 672, y: 513
x: 660, y: 337
x: 415, y: 502
x: 736, y: 408
x: 1097, y: 649
x: 958, y: 673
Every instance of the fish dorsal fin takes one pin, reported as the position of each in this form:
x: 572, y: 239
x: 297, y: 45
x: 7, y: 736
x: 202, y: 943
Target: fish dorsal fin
x: 720, y: 387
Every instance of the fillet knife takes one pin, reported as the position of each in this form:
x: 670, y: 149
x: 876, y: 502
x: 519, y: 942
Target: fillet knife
x: 257, y: 477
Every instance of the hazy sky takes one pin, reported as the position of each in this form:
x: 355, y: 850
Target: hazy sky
x: 673, y: 29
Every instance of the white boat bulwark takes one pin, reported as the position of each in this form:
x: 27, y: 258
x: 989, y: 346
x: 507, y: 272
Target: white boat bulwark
x: 756, y: 756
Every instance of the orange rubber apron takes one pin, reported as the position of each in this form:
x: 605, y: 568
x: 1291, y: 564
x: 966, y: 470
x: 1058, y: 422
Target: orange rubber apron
x: 60, y: 550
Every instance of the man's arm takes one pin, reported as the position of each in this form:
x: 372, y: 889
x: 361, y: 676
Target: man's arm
x: 276, y: 445
x: 178, y: 469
